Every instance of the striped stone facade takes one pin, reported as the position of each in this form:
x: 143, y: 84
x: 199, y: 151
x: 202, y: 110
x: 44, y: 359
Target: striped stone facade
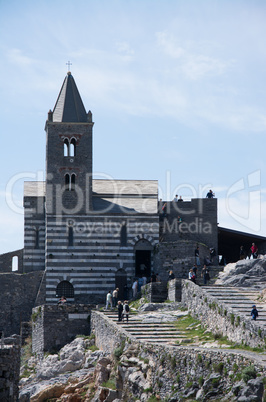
x: 97, y: 258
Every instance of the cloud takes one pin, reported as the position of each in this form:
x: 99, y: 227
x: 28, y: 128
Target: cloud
x: 192, y: 64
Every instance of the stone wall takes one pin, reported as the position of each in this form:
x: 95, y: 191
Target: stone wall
x: 155, y: 292
x: 9, y: 368
x: 199, y: 221
x: 55, y: 326
x: 178, y: 256
x: 219, y: 318
x: 17, y: 298
x: 174, y: 290
x: 163, y: 368
x: 6, y: 261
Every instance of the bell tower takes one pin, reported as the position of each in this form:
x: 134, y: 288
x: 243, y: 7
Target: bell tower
x: 69, y: 154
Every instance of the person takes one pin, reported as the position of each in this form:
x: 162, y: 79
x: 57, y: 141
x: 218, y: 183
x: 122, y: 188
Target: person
x: 120, y: 310
x: 180, y: 199
x: 179, y: 220
x: 205, y: 274
x: 242, y: 254
x: 195, y: 269
x: 176, y: 198
x: 254, y: 313
x: 210, y: 194
x: 135, y: 288
x: 144, y: 280
x: 108, y: 300
x: 62, y: 300
x: 158, y: 279
x: 254, y: 250
x: 153, y: 277
x: 171, y: 276
x: 197, y: 257
x: 164, y: 209
x: 140, y: 283
x: 212, y: 253
x: 115, y: 296
x: 126, y: 310
x: 192, y: 275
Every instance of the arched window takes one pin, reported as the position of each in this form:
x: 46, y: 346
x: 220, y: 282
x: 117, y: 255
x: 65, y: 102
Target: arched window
x: 73, y: 181
x: 123, y: 235
x: 67, y: 182
x: 65, y: 288
x: 72, y: 148
x: 66, y: 147
x: 70, y: 236
x: 15, y: 263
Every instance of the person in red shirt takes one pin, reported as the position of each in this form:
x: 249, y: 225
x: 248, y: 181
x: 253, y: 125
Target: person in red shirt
x: 254, y: 250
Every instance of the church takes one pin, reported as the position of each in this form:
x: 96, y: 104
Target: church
x: 89, y: 236
x: 86, y: 236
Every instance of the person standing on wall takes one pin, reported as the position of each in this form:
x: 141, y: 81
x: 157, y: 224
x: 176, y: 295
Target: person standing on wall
x: 197, y: 257
x: 254, y: 250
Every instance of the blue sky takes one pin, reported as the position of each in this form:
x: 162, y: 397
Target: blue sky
x: 176, y: 88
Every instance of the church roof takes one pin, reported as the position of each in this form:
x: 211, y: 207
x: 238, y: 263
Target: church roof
x: 69, y: 107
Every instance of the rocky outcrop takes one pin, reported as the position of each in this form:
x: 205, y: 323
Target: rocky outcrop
x: 244, y: 273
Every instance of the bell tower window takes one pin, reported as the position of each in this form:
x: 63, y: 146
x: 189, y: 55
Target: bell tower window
x: 66, y: 147
x: 72, y: 147
x: 67, y: 182
x: 73, y: 181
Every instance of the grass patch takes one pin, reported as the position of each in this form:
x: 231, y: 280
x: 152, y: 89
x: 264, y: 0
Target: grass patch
x: 109, y: 384
x: 192, y: 330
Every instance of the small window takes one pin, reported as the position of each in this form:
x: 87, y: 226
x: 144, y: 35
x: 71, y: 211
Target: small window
x: 70, y: 237
x: 73, y: 181
x: 123, y: 235
x: 37, y: 238
x: 67, y: 182
x: 66, y: 147
x: 15, y: 263
x: 72, y: 147
x: 65, y: 288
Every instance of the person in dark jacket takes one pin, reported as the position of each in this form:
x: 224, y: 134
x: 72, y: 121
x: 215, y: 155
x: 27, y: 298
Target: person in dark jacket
x: 254, y: 313
x: 120, y: 310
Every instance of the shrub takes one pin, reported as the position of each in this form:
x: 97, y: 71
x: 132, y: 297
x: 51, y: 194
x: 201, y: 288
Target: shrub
x: 218, y: 368
x: 232, y: 318
x: 248, y: 373
x: 201, y: 381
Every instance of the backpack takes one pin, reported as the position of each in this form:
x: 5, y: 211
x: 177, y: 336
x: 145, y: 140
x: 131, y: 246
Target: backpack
x: 127, y: 308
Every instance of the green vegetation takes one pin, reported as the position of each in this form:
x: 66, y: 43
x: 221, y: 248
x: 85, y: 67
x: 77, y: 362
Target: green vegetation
x: 118, y: 351
x: 109, y: 384
x: 248, y: 373
x: 193, y: 332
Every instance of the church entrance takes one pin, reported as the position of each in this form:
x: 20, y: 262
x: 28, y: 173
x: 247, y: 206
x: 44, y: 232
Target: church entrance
x: 143, y: 250
x: 143, y: 263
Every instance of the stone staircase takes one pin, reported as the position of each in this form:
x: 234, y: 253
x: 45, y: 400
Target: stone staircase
x: 148, y: 332
x: 240, y: 300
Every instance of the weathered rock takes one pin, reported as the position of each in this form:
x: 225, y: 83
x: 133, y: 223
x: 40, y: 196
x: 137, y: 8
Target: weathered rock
x: 252, y: 391
x: 54, y: 391
x: 102, y: 371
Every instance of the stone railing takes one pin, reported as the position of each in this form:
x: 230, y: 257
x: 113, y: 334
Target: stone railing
x: 155, y: 292
x: 174, y: 290
x: 219, y: 318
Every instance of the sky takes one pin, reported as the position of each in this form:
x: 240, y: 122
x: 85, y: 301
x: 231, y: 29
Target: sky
x: 176, y: 88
